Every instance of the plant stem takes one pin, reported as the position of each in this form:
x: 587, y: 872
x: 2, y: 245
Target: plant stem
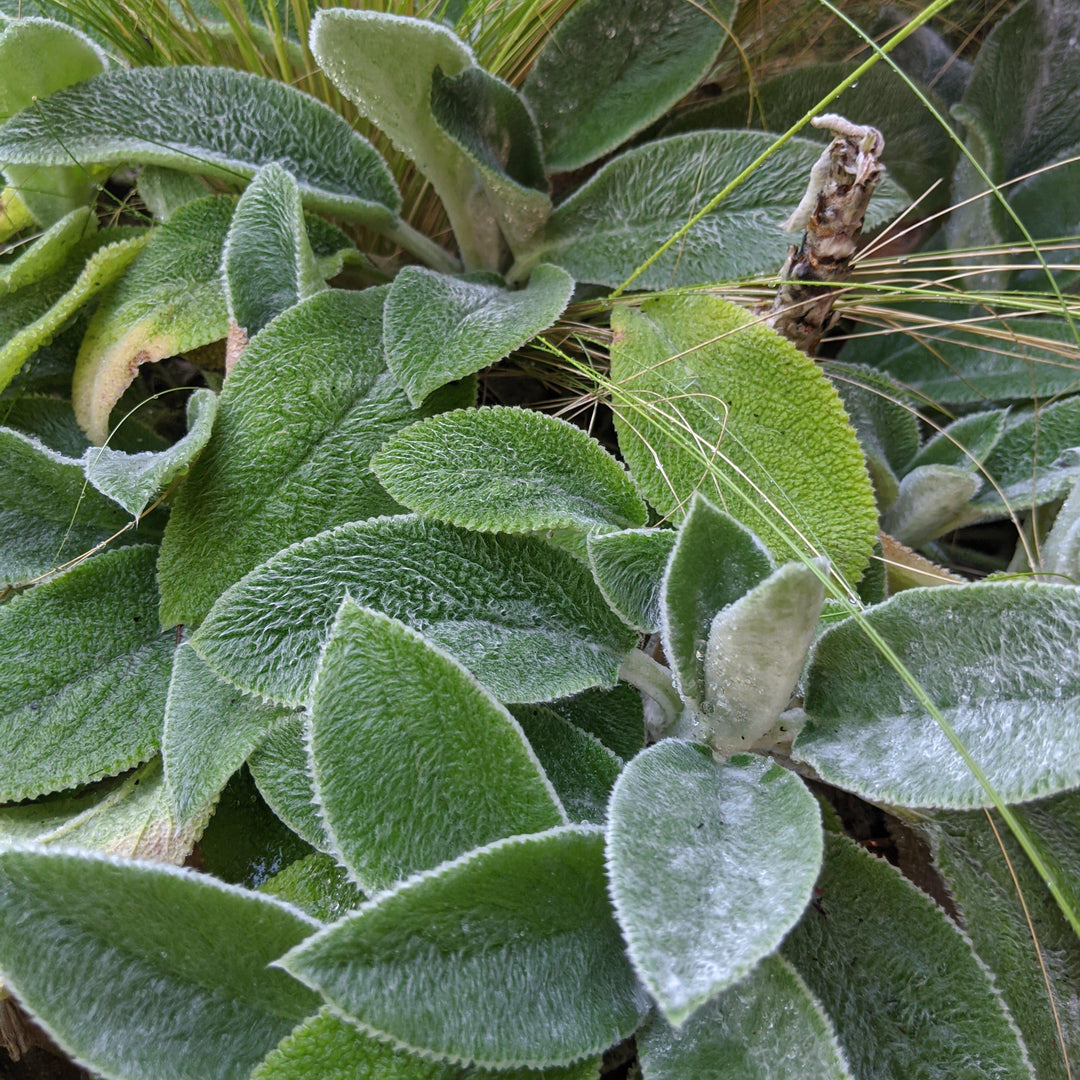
x: 425, y: 249
x: 641, y: 670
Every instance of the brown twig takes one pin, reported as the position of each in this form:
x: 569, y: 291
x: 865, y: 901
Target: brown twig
x: 831, y: 214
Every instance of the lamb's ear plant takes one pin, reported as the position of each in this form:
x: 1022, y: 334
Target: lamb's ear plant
x: 503, y: 749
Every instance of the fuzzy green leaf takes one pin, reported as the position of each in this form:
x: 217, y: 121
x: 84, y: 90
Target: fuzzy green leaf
x: 212, y: 122
x: 1020, y: 111
x: 300, y: 416
x: 439, y: 328
x: 1024, y: 358
x: 48, y: 514
x: 31, y: 317
x: 898, y: 979
x: 385, y: 64
x: 414, y: 763
x: 884, y: 419
x: 165, y: 190
x: 1036, y: 460
x: 980, y: 877
x: 38, y: 57
x: 1059, y: 554
x: 491, y: 125
x: 580, y: 767
x: 281, y: 769
x: 614, y: 716
x: 328, y: 1047
x: 918, y: 150
x: 523, y: 616
x: 965, y: 442
x: 410, y: 967
x: 48, y: 253
x: 508, y: 470
x: 928, y: 502
x: 629, y: 568
x: 768, y: 1026
x: 52, y: 420
x: 180, y: 958
x: 998, y: 659
x: 210, y: 729
x: 267, y: 261
x: 170, y: 300
x: 85, y: 670
x: 315, y: 884
x: 755, y: 654
x: 607, y: 228
x: 132, y: 480
x: 710, y: 864
x: 714, y: 562
x: 610, y: 69
x: 771, y: 442
x: 127, y: 816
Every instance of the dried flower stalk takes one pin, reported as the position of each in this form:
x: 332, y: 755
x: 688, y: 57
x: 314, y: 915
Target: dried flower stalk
x: 831, y: 214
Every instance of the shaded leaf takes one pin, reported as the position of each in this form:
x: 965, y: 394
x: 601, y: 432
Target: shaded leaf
x: 210, y: 728
x: 414, y: 763
x: 580, y: 767
x: 1059, y: 554
x: 165, y: 190
x: 918, y: 150
x: 610, y: 69
x: 929, y: 501
x: 1036, y: 460
x: 769, y: 1025
x: 85, y: 671
x: 198, y: 950
x: 710, y: 864
x: 127, y: 816
x: 48, y: 513
x: 636, y: 202
x: 317, y: 885
x: 899, y: 980
x: 714, y: 562
x: 133, y: 480
x: 328, y: 1047
x: 998, y: 659
x: 439, y: 328
x: 629, y: 568
x: 771, y: 443
x: 980, y: 877
x: 884, y: 421
x: 299, y: 419
x: 246, y: 843
x: 614, y: 716
x: 507, y: 470
x: 409, y: 967
x: 213, y: 122
x: 267, y: 261
x: 489, y: 122
x: 523, y: 616
x: 964, y: 443
x: 385, y: 64
x: 37, y: 57
x: 281, y: 769
x: 959, y: 366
